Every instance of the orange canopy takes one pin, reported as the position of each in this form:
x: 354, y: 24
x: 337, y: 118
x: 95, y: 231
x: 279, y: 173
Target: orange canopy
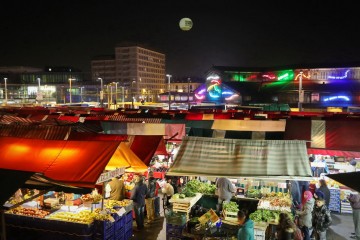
x: 77, y: 163
x: 125, y: 157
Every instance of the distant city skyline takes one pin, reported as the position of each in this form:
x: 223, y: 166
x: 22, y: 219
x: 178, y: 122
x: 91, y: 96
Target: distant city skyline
x: 251, y: 34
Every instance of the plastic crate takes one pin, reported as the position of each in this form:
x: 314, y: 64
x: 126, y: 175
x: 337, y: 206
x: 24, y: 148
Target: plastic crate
x: 176, y: 218
x: 174, y: 229
x: 128, y: 234
x: 120, y: 223
x: 119, y: 234
x: 128, y: 217
x: 173, y: 237
x: 104, y: 230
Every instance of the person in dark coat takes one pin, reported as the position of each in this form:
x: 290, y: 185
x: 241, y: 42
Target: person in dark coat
x: 138, y: 196
x: 325, y: 190
x: 321, y: 220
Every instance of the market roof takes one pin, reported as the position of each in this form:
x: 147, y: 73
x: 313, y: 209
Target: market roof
x: 76, y: 163
x: 201, y: 156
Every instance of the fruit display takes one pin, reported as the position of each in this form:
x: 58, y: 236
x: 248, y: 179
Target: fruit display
x: 94, y: 197
x: 31, y: 212
x: 276, y: 201
x: 85, y: 216
x: 113, y: 203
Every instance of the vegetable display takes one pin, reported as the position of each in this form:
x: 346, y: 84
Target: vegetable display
x: 195, y: 186
x: 231, y: 207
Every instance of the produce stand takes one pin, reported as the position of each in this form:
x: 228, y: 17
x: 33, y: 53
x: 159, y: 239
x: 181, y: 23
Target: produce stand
x: 74, y: 225
x: 184, y: 204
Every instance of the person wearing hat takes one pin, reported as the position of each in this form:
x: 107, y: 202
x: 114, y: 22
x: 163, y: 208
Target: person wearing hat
x: 354, y: 200
x: 321, y: 218
x: 305, y: 214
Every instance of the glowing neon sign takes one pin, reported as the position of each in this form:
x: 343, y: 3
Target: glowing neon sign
x: 345, y: 98
x: 231, y: 97
x: 304, y: 76
x: 214, y: 89
x: 340, y: 77
x: 200, y: 95
x: 283, y: 76
x: 269, y: 76
x: 213, y: 77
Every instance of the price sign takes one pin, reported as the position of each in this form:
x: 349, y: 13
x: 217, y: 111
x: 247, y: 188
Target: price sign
x: 109, y: 175
x: 121, y: 212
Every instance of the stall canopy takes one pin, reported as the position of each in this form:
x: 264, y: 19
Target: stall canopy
x: 76, y: 163
x: 241, y: 158
x: 124, y: 157
x: 351, y: 179
x: 145, y: 146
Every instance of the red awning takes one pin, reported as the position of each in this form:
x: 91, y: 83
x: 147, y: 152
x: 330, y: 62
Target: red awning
x: 333, y: 152
x: 77, y: 163
x: 87, y: 136
x: 145, y: 146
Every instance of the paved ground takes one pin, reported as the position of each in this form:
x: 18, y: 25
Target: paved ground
x: 340, y: 229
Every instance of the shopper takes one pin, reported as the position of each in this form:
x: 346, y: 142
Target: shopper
x: 354, y: 200
x: 305, y: 214
x: 246, y: 230
x: 325, y: 190
x: 138, y: 196
x: 286, y: 229
x: 168, y: 190
x: 149, y: 201
x: 225, y: 191
x: 116, y: 189
x: 321, y: 220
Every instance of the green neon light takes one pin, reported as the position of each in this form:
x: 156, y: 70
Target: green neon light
x: 285, y: 75
x: 238, y: 77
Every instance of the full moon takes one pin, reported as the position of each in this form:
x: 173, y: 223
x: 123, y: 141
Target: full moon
x: 185, y: 24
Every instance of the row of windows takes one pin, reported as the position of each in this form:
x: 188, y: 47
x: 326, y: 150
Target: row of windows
x: 150, y: 53
x: 152, y: 75
x: 151, y: 70
x: 151, y: 59
x: 154, y: 65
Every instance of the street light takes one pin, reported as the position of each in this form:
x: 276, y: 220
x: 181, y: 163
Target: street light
x: 132, y: 94
x: 70, y: 96
x: 301, y: 92
x: 188, y: 93
x: 101, y: 92
x: 81, y: 94
x: 5, y: 80
x: 169, y: 76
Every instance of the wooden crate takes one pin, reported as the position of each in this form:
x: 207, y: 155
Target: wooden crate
x: 230, y: 216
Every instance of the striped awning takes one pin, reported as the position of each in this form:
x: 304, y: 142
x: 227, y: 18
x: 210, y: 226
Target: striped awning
x: 202, y: 156
x: 11, y: 119
x: 124, y: 118
x: 39, y: 132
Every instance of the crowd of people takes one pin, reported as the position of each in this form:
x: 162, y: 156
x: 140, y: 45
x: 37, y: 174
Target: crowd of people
x: 311, y: 208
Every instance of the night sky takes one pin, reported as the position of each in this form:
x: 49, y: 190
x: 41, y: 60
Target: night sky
x: 255, y: 34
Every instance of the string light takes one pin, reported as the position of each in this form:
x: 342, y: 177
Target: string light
x: 337, y: 98
x: 341, y: 77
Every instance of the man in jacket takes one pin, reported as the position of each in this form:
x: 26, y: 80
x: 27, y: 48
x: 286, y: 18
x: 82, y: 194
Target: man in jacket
x: 321, y: 218
x: 225, y: 191
x: 116, y: 189
x: 138, y: 196
x: 149, y: 201
x: 354, y: 200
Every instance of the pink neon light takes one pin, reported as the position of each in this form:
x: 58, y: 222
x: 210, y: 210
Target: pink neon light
x: 199, y: 96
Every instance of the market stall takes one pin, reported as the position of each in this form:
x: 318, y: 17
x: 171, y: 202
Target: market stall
x: 250, y: 160
x: 66, y: 215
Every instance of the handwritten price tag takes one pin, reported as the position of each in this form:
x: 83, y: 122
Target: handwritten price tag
x: 121, y: 212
